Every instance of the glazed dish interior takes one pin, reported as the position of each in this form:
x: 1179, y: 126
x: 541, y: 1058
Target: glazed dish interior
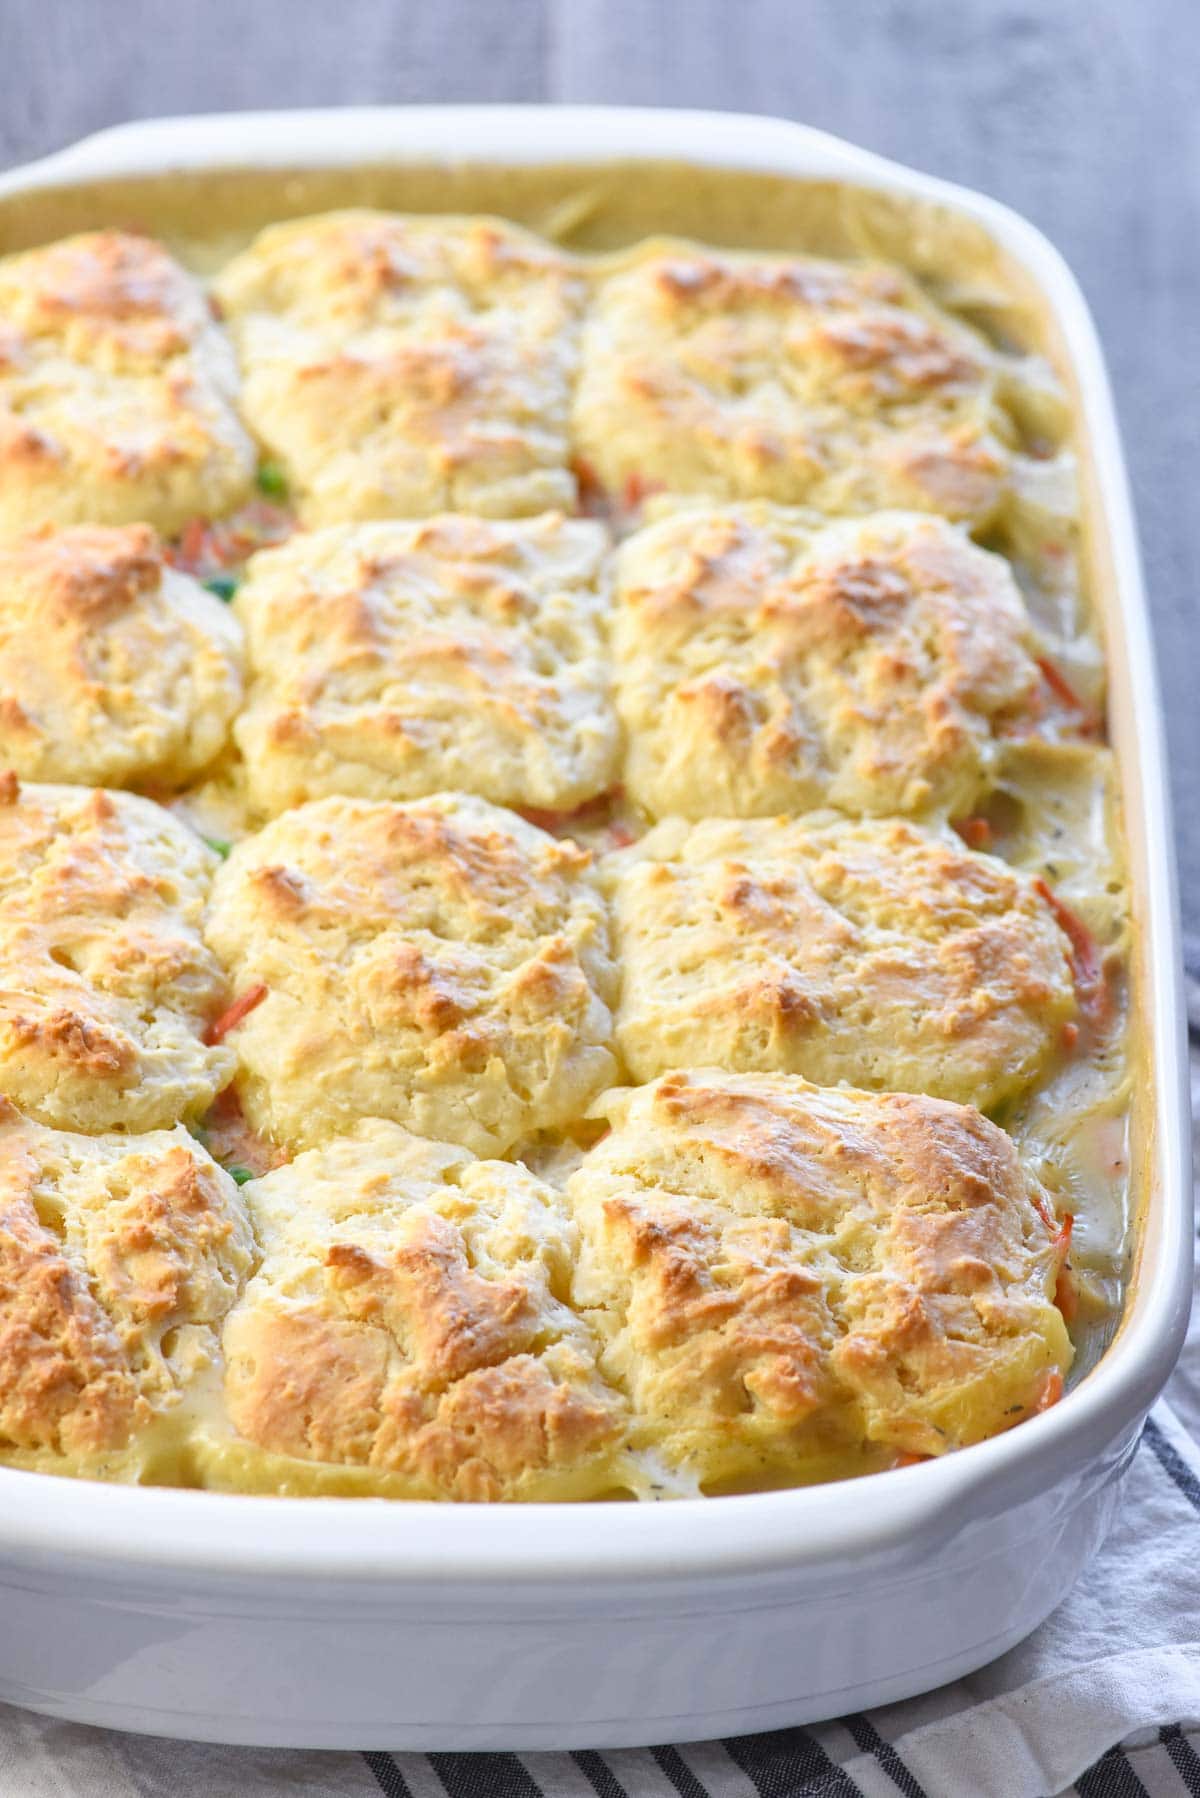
x: 562, y: 898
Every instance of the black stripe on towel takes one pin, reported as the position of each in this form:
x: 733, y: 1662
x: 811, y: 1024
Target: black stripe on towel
x: 789, y: 1763
x: 1110, y: 1777
x: 388, y: 1776
x: 484, y: 1776
x: 868, y: 1739
x: 1173, y: 1464
x: 599, y: 1774
x: 672, y: 1763
x: 1184, y: 1758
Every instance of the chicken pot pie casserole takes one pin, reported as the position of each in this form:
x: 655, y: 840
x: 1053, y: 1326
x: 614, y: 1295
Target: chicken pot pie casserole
x: 563, y: 930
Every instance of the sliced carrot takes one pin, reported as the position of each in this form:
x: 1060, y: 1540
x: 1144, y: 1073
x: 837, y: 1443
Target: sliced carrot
x: 1070, y: 1036
x: 976, y: 833
x: 545, y: 820
x: 905, y: 1458
x: 192, y: 539
x: 1060, y: 686
x: 233, y: 1014
x: 594, y: 501
x: 1087, y: 965
x: 1052, y: 1390
x: 207, y: 546
x: 1044, y: 1212
x: 637, y: 490
x: 1066, y: 1296
x: 591, y: 811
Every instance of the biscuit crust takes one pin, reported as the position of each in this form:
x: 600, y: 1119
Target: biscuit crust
x: 119, y: 1257
x: 397, y: 367
x: 392, y: 661
x: 115, y: 669
x: 617, y: 760
x: 106, y: 987
x: 835, y: 385
x: 409, y: 1321
x: 875, y: 953
x: 442, y: 963
x: 783, y: 1273
x: 117, y: 389
x: 769, y: 661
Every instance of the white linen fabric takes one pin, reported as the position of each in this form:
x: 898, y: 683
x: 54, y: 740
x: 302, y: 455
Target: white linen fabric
x: 1102, y: 1701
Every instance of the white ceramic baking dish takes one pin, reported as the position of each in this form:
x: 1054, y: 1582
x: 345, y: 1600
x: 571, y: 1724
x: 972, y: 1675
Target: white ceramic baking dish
x: 338, y: 1623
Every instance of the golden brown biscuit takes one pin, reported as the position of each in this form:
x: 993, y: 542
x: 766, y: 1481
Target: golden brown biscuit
x: 766, y: 661
x: 875, y: 953
x: 407, y: 1333
x: 115, y: 669
x: 119, y: 1257
x: 792, y: 1279
x: 443, y: 964
x: 397, y: 367
x: 836, y: 385
x: 106, y: 988
x: 116, y: 390
x: 396, y: 660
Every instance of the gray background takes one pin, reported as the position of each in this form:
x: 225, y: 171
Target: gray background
x: 1081, y: 113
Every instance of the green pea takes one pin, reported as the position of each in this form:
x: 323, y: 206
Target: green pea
x: 240, y: 1174
x: 219, y: 846
x: 272, y: 480
x: 223, y: 585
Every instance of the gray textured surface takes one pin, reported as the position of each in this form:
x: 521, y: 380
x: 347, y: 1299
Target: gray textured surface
x: 1081, y: 113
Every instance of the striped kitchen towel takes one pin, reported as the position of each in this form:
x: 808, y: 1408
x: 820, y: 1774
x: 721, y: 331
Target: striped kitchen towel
x: 1103, y: 1700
